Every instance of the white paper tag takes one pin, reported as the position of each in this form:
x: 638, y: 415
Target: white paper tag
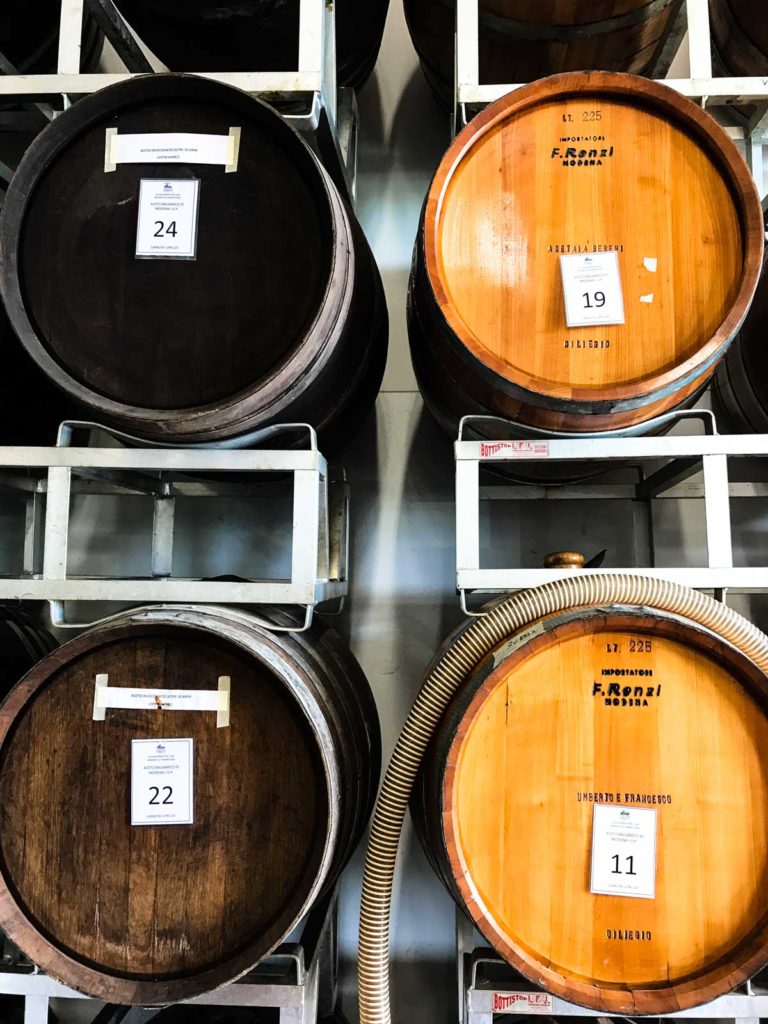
x: 624, y: 851
x: 167, y: 227
x: 592, y: 289
x: 162, y: 782
x: 170, y: 148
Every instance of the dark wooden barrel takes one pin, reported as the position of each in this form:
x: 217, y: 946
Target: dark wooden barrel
x: 740, y: 386
x: 543, y: 175
x: 29, y: 37
x: 607, y: 710
x: 279, y: 318
x: 255, y: 35
x: 22, y: 644
x: 152, y: 914
x: 522, y: 40
x: 739, y: 37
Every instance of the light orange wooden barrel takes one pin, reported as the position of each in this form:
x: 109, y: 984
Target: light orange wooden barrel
x: 521, y: 40
x: 624, y: 709
x: 582, y: 164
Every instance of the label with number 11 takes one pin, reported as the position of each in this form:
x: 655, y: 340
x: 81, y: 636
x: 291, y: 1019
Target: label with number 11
x: 624, y: 851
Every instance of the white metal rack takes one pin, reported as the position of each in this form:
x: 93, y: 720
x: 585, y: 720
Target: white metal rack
x: 702, y: 85
x: 48, y: 477
x: 328, y: 115
x: 300, y: 978
x: 663, y: 467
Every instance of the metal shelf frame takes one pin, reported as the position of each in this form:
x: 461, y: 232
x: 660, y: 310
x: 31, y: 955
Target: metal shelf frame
x: 48, y: 477
x: 703, y: 85
x: 663, y: 468
x: 300, y: 978
x: 328, y: 115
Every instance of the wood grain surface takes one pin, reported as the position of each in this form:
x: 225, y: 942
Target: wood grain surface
x: 522, y: 40
x: 279, y: 318
x: 646, y: 191
x: 583, y: 164
x: 623, y: 708
x: 154, y: 914
x: 159, y: 901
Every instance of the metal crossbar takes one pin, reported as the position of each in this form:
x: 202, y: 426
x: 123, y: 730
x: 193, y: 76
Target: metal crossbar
x: 664, y: 467
x: 49, y: 477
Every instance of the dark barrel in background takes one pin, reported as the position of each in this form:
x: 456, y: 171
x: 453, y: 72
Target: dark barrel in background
x: 152, y: 914
x: 739, y: 37
x: 255, y: 35
x: 29, y: 37
x: 31, y: 406
x: 23, y: 642
x: 740, y: 386
x: 279, y: 318
x: 521, y: 40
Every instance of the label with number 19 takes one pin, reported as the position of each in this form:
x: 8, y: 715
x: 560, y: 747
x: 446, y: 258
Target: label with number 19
x: 592, y: 289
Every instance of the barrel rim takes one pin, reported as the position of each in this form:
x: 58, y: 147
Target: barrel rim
x: 724, y: 974
x: 100, y: 982
x: 242, y: 411
x: 707, y: 133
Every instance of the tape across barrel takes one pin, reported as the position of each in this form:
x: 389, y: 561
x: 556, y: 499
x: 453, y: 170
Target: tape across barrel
x: 128, y: 698
x: 171, y: 148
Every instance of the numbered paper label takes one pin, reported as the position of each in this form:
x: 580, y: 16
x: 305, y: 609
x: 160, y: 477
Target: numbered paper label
x: 592, y: 289
x: 162, y: 789
x: 624, y: 851
x: 168, y: 218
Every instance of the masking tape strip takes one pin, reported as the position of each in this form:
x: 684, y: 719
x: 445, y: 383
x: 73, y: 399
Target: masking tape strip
x: 109, y: 161
x: 126, y: 698
x: 234, y: 150
x: 171, y: 148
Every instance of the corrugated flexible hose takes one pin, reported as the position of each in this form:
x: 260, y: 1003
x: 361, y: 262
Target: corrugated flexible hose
x: 446, y: 674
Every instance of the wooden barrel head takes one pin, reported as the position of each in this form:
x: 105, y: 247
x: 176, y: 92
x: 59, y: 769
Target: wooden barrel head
x: 629, y: 710
x: 278, y: 317
x: 149, y: 914
x: 590, y: 164
x: 169, y: 333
